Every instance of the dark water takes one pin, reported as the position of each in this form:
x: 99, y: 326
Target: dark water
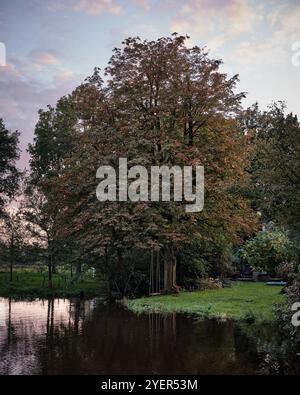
x: 87, y: 337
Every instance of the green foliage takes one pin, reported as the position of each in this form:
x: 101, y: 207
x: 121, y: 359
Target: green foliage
x: 286, y: 271
x: 13, y: 235
x: 267, y: 250
x: 275, y: 167
x: 162, y: 103
x: 192, y: 265
x: 130, y: 276
x: 293, y: 290
x: 9, y: 174
x: 201, y: 259
x: 54, y: 135
x: 281, y: 351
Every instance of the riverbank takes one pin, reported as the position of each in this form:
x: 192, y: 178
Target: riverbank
x: 241, y: 302
x: 29, y: 284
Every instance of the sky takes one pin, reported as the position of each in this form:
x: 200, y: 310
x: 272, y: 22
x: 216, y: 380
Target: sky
x: 52, y: 45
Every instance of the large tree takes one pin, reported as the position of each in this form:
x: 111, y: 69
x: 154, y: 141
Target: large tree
x: 162, y: 104
x: 9, y: 174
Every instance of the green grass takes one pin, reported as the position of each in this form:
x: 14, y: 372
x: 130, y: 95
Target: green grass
x: 31, y: 284
x: 241, y: 301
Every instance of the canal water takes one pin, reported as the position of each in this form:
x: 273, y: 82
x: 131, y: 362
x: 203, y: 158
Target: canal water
x: 76, y: 336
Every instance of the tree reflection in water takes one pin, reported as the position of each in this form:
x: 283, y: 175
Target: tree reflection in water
x: 87, y: 337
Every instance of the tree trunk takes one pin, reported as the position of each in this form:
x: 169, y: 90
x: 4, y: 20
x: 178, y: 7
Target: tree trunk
x: 191, y: 133
x: 12, y: 261
x: 78, y: 268
x: 120, y: 276
x: 170, y: 264
x: 54, y: 271
x: 109, y: 280
x: 50, y: 271
x: 11, y: 272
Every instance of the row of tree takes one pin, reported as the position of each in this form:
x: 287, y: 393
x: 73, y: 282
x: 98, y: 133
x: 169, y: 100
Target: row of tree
x: 161, y: 103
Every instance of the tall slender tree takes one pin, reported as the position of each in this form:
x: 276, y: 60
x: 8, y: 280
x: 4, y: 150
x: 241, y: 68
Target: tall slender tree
x: 41, y: 226
x: 9, y: 174
x: 13, y: 237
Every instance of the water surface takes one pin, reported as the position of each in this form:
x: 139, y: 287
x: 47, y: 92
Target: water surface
x: 59, y: 336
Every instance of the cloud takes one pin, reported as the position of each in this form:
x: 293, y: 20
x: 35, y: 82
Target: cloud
x: 275, y: 15
x: 258, y: 53
x: 23, y: 94
x: 275, y: 47
x: 145, y: 4
x: 289, y: 21
x: 44, y: 58
x: 65, y: 75
x: 244, y: 32
x: 229, y: 17
x: 55, y: 5
x: 96, y: 7
x: 45, y: 63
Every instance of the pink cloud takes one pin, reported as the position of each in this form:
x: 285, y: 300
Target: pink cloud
x: 96, y: 7
x: 23, y: 94
x: 231, y: 17
x: 145, y: 4
x: 46, y: 58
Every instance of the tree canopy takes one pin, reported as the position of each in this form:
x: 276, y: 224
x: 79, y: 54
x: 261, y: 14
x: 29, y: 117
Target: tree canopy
x: 162, y: 104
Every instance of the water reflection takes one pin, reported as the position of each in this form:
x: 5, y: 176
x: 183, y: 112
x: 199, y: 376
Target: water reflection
x: 87, y: 337
x: 28, y: 327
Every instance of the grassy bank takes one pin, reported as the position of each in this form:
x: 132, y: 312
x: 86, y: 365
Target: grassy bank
x: 34, y: 284
x: 241, y: 301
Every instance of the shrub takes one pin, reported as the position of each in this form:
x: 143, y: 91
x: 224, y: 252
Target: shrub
x: 209, y: 283
x: 286, y: 270
x: 293, y: 290
x: 267, y: 250
x: 200, y: 260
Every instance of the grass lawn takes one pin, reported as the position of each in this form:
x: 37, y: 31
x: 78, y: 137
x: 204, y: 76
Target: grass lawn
x: 30, y: 284
x: 241, y: 301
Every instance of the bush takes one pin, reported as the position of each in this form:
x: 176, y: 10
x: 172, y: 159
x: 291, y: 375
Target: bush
x: 286, y: 270
x: 293, y: 290
x: 200, y: 260
x: 209, y: 283
x: 267, y: 250
x: 283, y: 350
x: 283, y: 355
